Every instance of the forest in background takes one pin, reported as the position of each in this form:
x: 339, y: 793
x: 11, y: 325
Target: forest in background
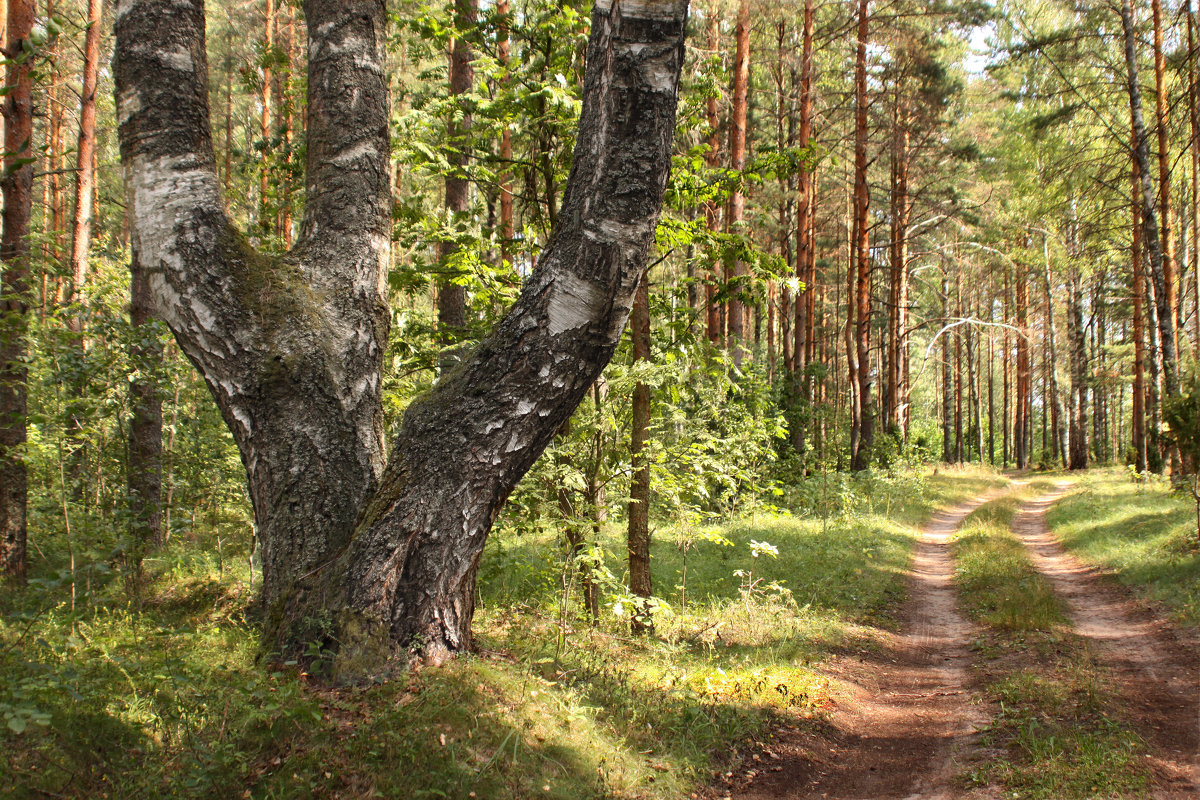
x: 879, y: 248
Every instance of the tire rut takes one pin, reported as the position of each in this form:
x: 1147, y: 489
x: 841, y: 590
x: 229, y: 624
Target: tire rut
x: 1156, y: 675
x: 910, y: 711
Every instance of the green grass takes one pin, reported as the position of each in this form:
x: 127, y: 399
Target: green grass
x: 997, y: 583
x: 167, y: 699
x: 1142, y: 531
x: 1055, y: 725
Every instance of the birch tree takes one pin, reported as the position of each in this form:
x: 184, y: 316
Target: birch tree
x: 370, y: 551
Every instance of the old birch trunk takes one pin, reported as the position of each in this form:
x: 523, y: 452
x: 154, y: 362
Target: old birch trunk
x: 371, y: 552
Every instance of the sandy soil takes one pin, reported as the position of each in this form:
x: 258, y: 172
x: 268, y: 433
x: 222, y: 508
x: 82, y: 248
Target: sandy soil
x: 910, y: 709
x: 1156, y: 673
x: 910, y: 717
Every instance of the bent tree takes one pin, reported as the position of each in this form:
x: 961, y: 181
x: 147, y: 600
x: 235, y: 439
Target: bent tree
x: 371, y: 551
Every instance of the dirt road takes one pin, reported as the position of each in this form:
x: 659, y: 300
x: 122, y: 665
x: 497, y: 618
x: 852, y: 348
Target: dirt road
x: 1157, y: 675
x: 911, y: 712
x: 910, y: 708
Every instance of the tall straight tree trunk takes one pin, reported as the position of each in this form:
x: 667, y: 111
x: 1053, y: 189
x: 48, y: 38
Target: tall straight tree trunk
x: 17, y: 190
x: 712, y: 213
x: 55, y: 160
x: 289, y: 124
x: 895, y: 418
x: 737, y: 163
x: 452, y: 294
x: 638, y: 538
x: 861, y: 454
x: 1022, y: 424
x: 1150, y: 230
x: 1163, y: 123
x: 804, y: 209
x: 958, y: 376
x: 81, y: 227
x: 369, y: 551
x: 264, y: 178
x: 507, y: 219
x: 947, y: 378
x: 1100, y: 395
x: 1079, y: 419
x: 1005, y: 371
x: 1058, y: 416
x: 1194, y: 139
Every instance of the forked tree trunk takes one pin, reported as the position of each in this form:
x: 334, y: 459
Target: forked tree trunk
x: 17, y: 190
x: 377, y: 563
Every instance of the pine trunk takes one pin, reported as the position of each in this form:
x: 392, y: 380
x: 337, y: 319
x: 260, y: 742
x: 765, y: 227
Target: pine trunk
x: 1150, y: 229
x: 17, y: 190
x: 452, y: 294
x: 737, y: 163
x: 861, y: 451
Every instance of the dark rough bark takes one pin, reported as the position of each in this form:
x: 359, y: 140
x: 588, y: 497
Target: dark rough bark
x: 17, y: 189
x: 638, y: 539
x: 290, y: 347
x: 370, y: 562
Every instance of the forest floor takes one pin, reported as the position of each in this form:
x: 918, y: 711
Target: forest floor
x: 1047, y: 680
x: 845, y: 639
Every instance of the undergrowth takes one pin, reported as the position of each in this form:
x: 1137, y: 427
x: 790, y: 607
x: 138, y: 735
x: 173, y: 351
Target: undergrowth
x: 104, y: 696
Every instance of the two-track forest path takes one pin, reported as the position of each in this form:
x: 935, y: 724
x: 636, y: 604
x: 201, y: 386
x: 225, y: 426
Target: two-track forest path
x: 1156, y: 675
x: 911, y: 715
x: 910, y: 707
